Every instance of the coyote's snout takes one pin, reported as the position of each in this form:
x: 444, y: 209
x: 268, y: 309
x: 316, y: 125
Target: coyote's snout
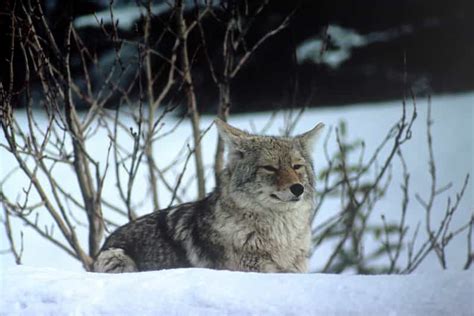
x: 258, y: 219
x: 288, y: 183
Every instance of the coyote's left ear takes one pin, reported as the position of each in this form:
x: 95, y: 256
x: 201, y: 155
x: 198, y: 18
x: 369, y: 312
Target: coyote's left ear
x: 308, y: 139
x: 233, y: 137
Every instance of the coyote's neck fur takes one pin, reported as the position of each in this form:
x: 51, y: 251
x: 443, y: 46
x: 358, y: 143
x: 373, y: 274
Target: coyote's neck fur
x: 257, y: 219
x: 281, y: 233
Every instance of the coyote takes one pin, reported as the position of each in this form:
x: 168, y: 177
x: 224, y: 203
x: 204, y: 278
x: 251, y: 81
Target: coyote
x: 257, y: 219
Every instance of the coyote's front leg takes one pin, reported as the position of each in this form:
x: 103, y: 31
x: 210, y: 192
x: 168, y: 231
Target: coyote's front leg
x: 300, y: 265
x: 258, y: 263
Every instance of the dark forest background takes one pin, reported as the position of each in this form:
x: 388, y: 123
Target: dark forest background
x: 431, y: 42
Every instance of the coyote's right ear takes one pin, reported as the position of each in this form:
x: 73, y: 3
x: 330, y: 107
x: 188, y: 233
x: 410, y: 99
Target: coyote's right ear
x: 233, y: 137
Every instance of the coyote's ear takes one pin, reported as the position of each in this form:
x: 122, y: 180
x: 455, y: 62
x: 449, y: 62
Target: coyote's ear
x: 308, y: 139
x: 233, y: 137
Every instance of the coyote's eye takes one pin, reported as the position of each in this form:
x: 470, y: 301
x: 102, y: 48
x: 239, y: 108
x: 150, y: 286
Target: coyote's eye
x: 270, y: 168
x: 296, y: 167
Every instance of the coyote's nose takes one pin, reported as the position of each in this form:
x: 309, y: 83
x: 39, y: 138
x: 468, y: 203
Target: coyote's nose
x: 297, y: 189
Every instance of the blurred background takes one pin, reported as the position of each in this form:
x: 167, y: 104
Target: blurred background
x: 331, y: 53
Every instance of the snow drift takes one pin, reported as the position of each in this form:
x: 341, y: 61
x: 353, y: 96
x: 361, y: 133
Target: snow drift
x: 45, y: 291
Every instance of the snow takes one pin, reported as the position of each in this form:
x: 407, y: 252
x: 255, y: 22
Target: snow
x: 45, y: 291
x: 125, y: 15
x: 344, y: 40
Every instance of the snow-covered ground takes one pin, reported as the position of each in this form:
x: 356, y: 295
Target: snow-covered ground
x: 43, y: 291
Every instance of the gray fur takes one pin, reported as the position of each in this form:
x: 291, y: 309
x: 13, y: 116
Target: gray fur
x: 114, y: 260
x: 252, y: 222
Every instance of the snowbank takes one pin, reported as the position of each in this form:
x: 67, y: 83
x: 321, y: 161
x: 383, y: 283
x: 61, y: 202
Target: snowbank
x: 45, y: 291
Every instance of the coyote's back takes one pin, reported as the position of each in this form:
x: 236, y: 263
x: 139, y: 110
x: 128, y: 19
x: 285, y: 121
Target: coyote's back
x: 258, y: 219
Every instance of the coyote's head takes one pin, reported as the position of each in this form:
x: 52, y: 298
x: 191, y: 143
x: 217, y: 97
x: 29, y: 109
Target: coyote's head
x: 274, y: 172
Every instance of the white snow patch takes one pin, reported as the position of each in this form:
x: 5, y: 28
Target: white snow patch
x: 345, y: 40
x: 44, y: 291
x: 128, y: 15
x: 125, y: 15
